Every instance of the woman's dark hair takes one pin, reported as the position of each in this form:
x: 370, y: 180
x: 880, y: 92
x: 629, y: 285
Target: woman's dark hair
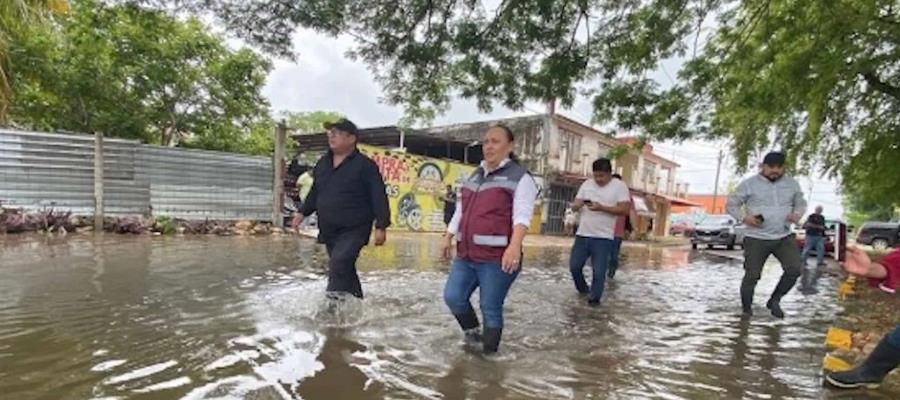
x: 509, y: 136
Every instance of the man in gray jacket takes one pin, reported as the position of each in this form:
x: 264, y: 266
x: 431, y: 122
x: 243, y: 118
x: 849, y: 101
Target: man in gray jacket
x: 768, y: 204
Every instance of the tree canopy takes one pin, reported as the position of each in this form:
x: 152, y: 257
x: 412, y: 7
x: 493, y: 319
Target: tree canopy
x: 139, y: 73
x: 17, y: 17
x: 819, y: 78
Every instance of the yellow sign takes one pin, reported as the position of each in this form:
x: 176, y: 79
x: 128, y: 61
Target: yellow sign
x: 837, y: 338
x: 416, y: 187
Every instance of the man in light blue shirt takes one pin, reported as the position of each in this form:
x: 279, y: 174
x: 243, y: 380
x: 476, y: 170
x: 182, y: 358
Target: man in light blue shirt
x: 768, y: 203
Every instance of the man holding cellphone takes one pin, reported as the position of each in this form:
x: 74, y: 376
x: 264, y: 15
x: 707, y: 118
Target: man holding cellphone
x: 768, y: 203
x: 601, y: 201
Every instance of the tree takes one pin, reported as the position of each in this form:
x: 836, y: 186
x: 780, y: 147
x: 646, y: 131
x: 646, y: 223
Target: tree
x: 18, y: 17
x: 308, y: 122
x: 137, y: 73
x: 817, y: 78
x: 260, y: 137
x: 860, y: 210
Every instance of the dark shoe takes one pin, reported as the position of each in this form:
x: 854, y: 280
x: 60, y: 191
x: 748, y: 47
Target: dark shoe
x: 809, y: 290
x: 467, y: 321
x: 491, y: 340
x: 747, y: 299
x: 611, y: 273
x: 593, y: 302
x: 472, y: 337
x: 775, y: 307
x: 880, y: 362
x: 747, y: 311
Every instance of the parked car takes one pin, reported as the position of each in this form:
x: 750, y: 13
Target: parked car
x: 684, y: 224
x: 718, y: 230
x: 682, y: 227
x: 830, y: 226
x: 879, y: 235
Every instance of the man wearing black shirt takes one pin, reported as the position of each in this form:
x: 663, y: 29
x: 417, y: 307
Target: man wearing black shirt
x: 815, y: 236
x: 449, y: 205
x: 348, y: 195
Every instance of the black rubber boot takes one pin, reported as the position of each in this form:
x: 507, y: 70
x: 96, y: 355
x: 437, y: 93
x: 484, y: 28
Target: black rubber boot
x: 469, y: 324
x: 492, y: 339
x: 880, y: 362
x: 785, y: 284
x: 467, y: 321
x: 775, y: 306
x: 747, y: 298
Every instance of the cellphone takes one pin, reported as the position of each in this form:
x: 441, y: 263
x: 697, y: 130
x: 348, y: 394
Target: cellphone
x: 588, y: 202
x: 760, y: 218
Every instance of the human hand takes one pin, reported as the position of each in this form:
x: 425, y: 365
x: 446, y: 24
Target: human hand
x: 295, y: 223
x: 447, y: 248
x: 857, y: 262
x: 577, y: 204
x: 511, y: 259
x: 751, y: 220
x: 380, y: 237
x: 597, y: 207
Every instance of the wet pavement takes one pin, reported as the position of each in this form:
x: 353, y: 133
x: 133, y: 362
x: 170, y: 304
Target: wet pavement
x: 244, y: 318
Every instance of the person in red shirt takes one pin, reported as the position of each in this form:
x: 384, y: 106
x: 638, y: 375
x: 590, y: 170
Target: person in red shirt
x: 886, y: 356
x: 622, y: 226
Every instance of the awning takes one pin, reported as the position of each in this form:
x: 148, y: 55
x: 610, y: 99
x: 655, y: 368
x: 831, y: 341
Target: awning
x: 642, y: 208
x: 672, y: 200
x: 677, y: 201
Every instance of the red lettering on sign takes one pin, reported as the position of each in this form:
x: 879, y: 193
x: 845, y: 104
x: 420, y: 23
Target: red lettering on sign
x: 393, y: 170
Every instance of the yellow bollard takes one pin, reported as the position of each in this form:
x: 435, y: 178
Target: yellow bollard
x: 846, y: 289
x: 837, y: 338
x: 834, y: 364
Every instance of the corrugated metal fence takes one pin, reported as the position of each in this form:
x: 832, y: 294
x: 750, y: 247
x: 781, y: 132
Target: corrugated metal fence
x: 44, y: 170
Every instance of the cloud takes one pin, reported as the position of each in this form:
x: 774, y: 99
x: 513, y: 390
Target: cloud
x: 324, y: 78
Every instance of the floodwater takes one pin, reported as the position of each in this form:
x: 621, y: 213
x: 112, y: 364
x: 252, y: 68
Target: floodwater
x: 112, y: 317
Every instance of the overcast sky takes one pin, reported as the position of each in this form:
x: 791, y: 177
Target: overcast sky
x: 324, y: 79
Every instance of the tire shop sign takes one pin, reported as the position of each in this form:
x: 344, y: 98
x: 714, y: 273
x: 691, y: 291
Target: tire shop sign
x: 416, y: 186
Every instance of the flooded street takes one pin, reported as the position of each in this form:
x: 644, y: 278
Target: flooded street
x: 244, y: 318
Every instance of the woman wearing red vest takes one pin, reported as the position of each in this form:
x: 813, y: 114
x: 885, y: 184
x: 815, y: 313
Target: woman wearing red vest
x: 490, y: 222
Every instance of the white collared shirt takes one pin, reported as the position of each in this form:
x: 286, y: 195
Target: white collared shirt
x: 523, y: 201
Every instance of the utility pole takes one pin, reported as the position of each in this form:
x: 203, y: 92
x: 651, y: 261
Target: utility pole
x: 716, y: 190
x: 98, y: 182
x: 278, y: 174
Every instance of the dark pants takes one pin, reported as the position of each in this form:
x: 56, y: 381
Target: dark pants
x: 493, y: 285
x: 598, y: 250
x: 756, y: 252
x: 894, y: 337
x: 343, y: 250
x: 614, y: 257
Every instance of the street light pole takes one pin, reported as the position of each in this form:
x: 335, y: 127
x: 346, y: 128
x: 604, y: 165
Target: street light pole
x: 716, y: 190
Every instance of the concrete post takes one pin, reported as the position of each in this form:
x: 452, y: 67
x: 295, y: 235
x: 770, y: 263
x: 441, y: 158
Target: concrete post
x: 98, y: 181
x: 278, y: 174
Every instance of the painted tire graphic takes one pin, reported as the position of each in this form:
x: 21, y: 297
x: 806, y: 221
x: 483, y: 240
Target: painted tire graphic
x: 431, y: 171
x: 414, y: 219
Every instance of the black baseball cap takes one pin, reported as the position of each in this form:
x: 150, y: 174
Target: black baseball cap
x: 774, y: 159
x: 343, y: 124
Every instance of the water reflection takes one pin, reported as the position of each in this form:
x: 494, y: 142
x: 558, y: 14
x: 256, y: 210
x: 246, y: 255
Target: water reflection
x: 202, y: 318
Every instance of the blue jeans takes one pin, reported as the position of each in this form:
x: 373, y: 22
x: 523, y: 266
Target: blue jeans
x: 614, y: 256
x: 493, y: 283
x: 599, y: 251
x: 894, y: 337
x: 817, y: 243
